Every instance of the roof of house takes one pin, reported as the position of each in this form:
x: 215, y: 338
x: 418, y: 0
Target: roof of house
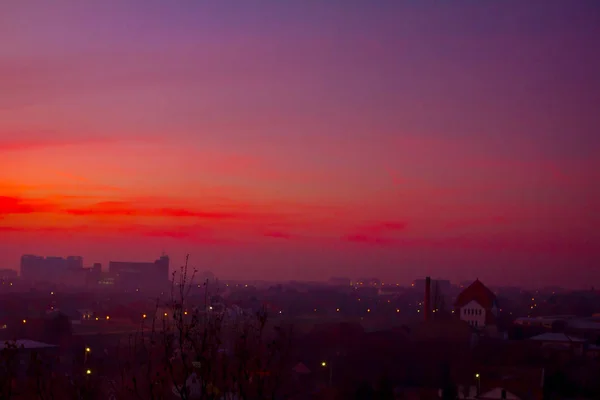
x: 300, y: 368
x: 496, y: 393
x: 557, y: 337
x: 32, y: 344
x: 478, y: 292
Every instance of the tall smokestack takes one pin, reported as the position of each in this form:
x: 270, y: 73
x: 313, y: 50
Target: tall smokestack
x: 427, y: 298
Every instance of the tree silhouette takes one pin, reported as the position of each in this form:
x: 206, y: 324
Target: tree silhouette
x: 199, y: 353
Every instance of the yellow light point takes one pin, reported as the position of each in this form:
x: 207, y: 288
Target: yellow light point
x: 166, y: 314
x: 87, y: 349
x: 88, y: 372
x: 337, y: 309
x: 185, y: 313
x: 324, y: 364
x: 24, y: 321
x: 397, y: 310
x: 477, y: 376
x: 144, y: 316
x: 368, y: 310
x: 107, y: 317
x: 96, y: 318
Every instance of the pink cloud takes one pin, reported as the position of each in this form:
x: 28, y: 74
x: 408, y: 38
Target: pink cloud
x: 278, y: 235
x: 371, y: 240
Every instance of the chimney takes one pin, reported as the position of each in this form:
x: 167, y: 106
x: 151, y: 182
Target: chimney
x: 427, y: 298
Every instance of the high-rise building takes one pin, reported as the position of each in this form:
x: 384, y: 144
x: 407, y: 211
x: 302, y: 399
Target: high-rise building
x: 48, y: 269
x: 134, y: 275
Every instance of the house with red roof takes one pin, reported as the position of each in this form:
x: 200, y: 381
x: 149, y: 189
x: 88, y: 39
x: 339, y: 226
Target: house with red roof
x: 477, y: 306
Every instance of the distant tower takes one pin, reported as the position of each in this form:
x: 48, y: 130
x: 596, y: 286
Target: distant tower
x: 162, y: 265
x: 427, y: 301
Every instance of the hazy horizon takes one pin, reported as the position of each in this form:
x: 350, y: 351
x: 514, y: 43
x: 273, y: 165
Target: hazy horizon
x: 304, y: 140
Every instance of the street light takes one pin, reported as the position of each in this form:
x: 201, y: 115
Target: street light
x: 87, y: 349
x: 324, y: 365
x: 88, y: 372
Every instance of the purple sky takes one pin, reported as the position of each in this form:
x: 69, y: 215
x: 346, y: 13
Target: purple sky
x: 388, y: 138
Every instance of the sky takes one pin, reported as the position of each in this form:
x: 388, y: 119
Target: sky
x: 305, y: 139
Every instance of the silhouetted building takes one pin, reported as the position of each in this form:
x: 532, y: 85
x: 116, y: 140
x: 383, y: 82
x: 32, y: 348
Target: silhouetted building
x: 8, y: 274
x: 48, y: 269
x: 437, y: 285
x: 136, y: 275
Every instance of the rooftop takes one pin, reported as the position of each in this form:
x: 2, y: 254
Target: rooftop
x: 557, y: 337
x: 478, y: 292
x: 32, y: 344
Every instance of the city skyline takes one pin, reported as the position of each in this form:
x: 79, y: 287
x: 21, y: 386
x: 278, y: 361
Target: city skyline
x: 305, y: 140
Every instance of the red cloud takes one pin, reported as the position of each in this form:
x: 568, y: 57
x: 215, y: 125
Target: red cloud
x: 122, y: 208
x: 382, y: 227
x: 390, y: 226
x: 376, y: 240
x: 278, y: 235
x: 473, y: 222
x: 46, y: 229
x: 17, y: 205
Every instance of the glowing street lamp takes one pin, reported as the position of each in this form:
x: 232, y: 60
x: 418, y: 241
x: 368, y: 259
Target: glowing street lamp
x: 88, y: 372
x: 324, y: 365
x: 87, y: 350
